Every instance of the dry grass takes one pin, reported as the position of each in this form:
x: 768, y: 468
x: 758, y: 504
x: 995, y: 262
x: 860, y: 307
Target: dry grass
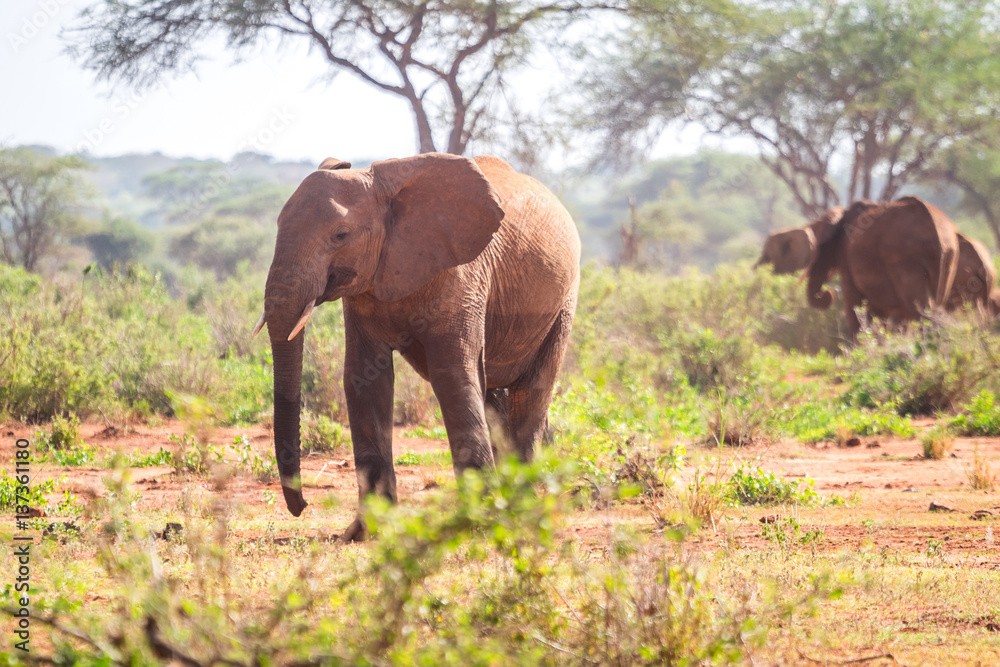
x: 844, y: 434
x: 937, y: 442
x: 981, y: 476
x: 704, y: 499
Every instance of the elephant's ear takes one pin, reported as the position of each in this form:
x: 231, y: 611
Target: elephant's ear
x: 332, y: 163
x: 442, y: 213
x: 824, y: 226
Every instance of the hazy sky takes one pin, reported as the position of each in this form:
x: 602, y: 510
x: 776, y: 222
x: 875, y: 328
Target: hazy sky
x: 284, y: 105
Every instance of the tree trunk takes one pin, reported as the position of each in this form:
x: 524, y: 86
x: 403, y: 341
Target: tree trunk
x: 425, y: 135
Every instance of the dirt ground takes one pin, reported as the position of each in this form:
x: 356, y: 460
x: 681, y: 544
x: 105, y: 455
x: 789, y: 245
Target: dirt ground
x: 881, y: 523
x: 888, y: 477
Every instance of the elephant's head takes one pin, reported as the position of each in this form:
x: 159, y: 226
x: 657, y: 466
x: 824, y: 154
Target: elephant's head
x: 831, y: 231
x: 386, y: 230
x: 788, y: 250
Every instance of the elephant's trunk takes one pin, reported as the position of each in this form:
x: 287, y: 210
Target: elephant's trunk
x: 282, y: 311
x: 821, y: 269
x: 287, y: 393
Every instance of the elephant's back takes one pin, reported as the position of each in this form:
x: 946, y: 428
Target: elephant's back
x: 537, y: 232
x: 530, y: 208
x: 907, y: 230
x: 534, y: 267
x: 908, y: 237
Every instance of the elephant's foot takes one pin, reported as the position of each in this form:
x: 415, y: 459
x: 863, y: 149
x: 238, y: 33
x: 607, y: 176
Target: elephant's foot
x: 356, y: 532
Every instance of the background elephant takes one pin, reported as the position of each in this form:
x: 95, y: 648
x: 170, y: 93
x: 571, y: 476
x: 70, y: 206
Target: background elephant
x: 467, y: 268
x: 788, y: 250
x: 974, y: 277
x: 900, y: 258
x: 791, y: 250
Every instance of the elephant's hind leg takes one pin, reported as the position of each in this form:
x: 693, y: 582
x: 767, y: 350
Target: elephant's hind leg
x: 530, y: 394
x: 914, y: 293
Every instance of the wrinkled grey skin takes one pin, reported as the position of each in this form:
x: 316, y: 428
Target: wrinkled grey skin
x: 465, y: 267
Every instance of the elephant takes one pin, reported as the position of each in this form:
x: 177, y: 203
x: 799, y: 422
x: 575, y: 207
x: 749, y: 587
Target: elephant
x: 467, y: 268
x: 900, y: 258
x: 788, y: 250
x: 791, y: 250
x: 974, y: 278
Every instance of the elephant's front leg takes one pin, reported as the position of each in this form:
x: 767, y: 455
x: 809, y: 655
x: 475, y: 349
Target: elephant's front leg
x: 368, y: 385
x: 458, y: 377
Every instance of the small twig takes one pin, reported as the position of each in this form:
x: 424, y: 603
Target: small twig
x: 164, y: 650
x: 557, y: 647
x: 107, y: 422
x: 852, y: 661
x: 73, y: 632
x: 321, y: 470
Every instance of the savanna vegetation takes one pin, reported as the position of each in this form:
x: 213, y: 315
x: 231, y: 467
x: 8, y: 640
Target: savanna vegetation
x: 656, y: 527
x: 667, y: 379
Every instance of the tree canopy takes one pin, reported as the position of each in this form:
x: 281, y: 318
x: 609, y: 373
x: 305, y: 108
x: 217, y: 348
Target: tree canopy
x: 447, y: 58
x: 41, y: 199
x: 845, y: 99
x: 974, y: 167
x: 118, y: 241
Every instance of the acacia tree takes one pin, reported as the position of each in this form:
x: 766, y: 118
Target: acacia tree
x: 40, y: 200
x: 845, y: 99
x: 973, y: 166
x: 446, y: 58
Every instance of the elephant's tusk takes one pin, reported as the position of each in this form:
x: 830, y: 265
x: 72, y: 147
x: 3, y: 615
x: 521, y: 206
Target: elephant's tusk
x: 302, y: 320
x: 260, y: 325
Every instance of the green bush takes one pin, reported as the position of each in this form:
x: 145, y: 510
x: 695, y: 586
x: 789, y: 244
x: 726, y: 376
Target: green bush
x: 264, y: 468
x: 320, y: 434
x: 63, y: 434
x: 817, y: 421
x: 936, y: 442
x: 323, y: 364
x: 36, y: 495
x: 423, y: 459
x: 116, y: 343
x: 981, y: 416
x: 752, y: 485
x: 930, y: 368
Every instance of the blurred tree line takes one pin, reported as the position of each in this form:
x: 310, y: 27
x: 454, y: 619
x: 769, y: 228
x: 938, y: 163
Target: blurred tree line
x: 217, y: 218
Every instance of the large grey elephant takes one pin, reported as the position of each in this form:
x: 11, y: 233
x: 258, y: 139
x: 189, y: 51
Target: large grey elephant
x: 467, y: 268
x: 899, y: 259
x: 791, y: 250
